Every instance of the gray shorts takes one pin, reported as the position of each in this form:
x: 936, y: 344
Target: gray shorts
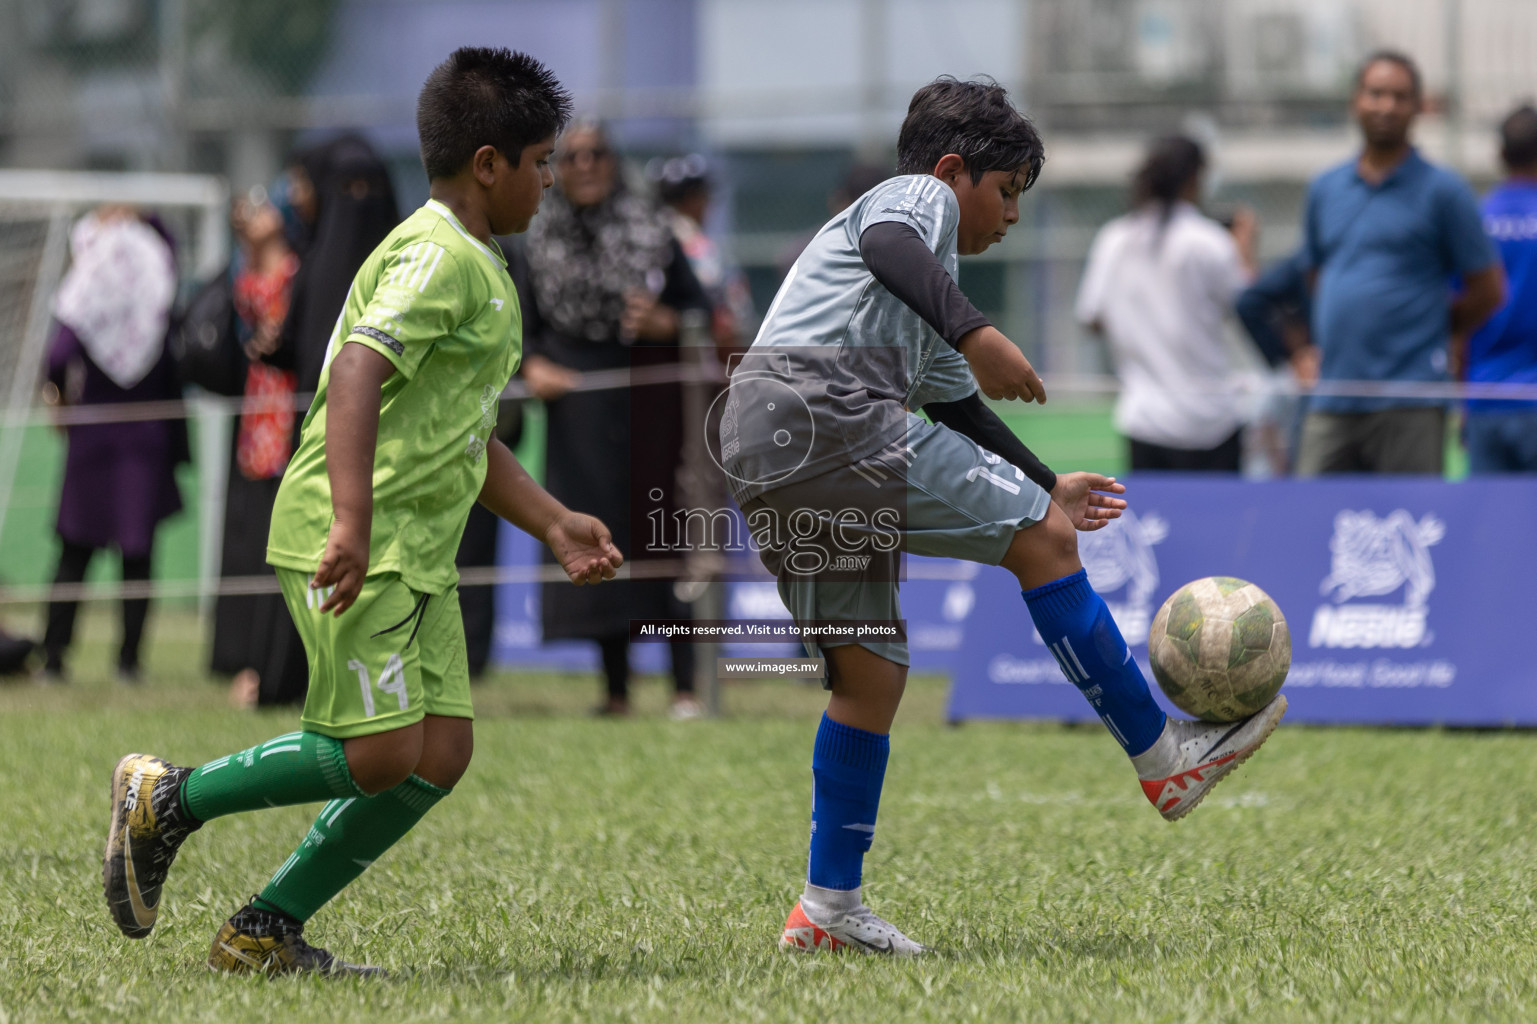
x: 833, y: 542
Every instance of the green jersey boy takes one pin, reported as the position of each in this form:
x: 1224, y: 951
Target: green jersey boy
x: 396, y: 447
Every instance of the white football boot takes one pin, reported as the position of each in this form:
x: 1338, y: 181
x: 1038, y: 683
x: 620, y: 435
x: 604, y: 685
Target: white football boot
x: 1189, y: 758
x: 858, y: 929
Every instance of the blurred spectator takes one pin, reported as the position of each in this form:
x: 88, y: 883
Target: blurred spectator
x: 254, y: 639
x: 606, y: 283
x: 683, y: 186
x: 341, y: 193
x: 1502, y: 435
x: 1275, y: 310
x: 857, y: 180
x: 1159, y: 283
x: 1384, y: 234
x: 296, y: 259
x: 478, y: 545
x: 113, y: 309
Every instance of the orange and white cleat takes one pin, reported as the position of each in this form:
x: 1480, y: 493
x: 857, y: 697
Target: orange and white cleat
x: 1189, y: 758
x: 858, y: 929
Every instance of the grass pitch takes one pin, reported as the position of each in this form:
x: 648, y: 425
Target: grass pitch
x: 592, y: 870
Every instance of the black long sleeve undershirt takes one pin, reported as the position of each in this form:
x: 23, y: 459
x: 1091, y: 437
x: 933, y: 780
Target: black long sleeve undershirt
x: 903, y: 263
x: 972, y: 418
x: 900, y: 260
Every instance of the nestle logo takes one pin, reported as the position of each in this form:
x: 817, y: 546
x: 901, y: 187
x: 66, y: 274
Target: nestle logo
x: 1372, y: 556
x: 1368, y: 625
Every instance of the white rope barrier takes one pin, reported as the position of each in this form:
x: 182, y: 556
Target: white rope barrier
x: 623, y: 379
x: 176, y: 409
x: 715, y: 566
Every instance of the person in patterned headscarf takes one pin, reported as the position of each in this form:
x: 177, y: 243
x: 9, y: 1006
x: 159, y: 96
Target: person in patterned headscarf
x: 606, y: 282
x: 112, y: 313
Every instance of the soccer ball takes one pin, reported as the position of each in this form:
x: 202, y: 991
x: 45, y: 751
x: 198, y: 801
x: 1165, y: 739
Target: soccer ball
x: 1220, y: 648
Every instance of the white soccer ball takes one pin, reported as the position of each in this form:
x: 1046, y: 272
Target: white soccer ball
x: 1220, y: 648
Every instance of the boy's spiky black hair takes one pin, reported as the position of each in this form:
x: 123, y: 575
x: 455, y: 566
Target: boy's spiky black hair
x: 486, y: 96
x: 973, y: 120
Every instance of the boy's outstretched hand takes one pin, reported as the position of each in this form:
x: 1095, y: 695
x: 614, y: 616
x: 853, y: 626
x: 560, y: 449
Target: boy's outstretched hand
x: 1080, y: 496
x: 342, y: 567
x: 1001, y: 369
x: 584, y: 548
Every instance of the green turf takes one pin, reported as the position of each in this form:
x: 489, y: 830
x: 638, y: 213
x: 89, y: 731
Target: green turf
x: 591, y: 870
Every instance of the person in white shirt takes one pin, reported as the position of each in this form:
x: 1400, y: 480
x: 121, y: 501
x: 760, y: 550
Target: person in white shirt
x: 1159, y: 284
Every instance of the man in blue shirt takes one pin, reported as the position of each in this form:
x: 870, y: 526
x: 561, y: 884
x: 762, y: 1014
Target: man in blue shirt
x: 1384, y: 235
x: 1502, y: 434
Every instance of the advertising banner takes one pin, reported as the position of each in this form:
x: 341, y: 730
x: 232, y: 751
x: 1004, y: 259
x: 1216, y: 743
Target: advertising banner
x: 1409, y: 601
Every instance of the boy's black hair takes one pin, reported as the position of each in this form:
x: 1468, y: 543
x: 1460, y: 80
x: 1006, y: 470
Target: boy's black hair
x: 1171, y: 164
x: 973, y: 120
x: 1398, y: 57
x: 486, y: 96
x: 1518, y: 138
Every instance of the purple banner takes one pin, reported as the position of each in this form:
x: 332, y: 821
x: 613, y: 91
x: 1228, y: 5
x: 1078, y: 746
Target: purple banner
x: 1408, y: 600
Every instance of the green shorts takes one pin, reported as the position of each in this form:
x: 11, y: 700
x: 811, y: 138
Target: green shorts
x: 396, y: 655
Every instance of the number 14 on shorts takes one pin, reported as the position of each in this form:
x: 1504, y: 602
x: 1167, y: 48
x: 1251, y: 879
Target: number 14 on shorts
x: 391, y: 681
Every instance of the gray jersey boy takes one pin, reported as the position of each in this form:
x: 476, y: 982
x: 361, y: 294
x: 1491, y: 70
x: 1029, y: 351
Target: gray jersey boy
x: 839, y: 359
x: 820, y: 445
x: 838, y: 476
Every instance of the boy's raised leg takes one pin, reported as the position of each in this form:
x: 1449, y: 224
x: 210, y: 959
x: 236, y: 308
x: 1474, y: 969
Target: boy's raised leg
x: 1087, y: 645
x: 1178, y: 762
x: 848, y: 767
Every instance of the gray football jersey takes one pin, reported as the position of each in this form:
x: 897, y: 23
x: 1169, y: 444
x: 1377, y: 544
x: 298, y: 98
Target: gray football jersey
x: 839, y: 360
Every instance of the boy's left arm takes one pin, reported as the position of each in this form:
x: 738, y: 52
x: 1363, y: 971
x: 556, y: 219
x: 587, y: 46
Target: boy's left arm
x: 582, y: 544
x: 899, y: 258
x: 1080, y: 495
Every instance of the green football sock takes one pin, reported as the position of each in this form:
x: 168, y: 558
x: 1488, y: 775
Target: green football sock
x: 348, y: 836
x: 295, y: 768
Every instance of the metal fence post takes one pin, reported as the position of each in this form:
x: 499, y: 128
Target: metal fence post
x: 700, y: 487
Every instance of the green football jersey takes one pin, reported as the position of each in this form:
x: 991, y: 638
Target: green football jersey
x: 438, y: 304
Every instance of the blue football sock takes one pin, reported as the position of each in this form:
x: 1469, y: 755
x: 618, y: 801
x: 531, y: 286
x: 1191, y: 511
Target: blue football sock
x: 1086, y: 642
x: 847, y: 769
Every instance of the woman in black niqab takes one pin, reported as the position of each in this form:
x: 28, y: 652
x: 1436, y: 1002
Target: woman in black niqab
x: 353, y: 208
